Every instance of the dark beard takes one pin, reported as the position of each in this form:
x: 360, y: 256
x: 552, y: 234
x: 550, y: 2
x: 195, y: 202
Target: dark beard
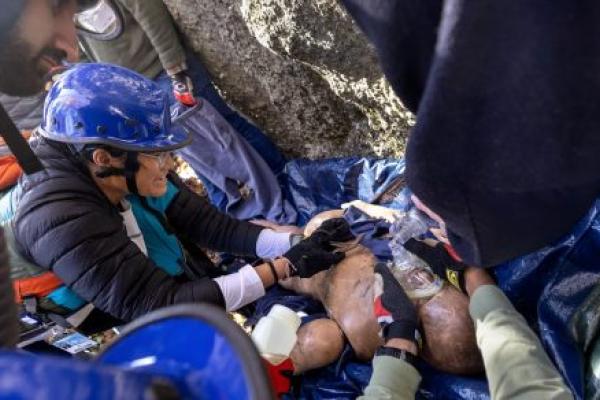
x: 20, y: 74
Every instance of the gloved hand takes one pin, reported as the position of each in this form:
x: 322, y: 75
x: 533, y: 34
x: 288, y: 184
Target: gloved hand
x: 440, y: 261
x: 309, y: 257
x: 332, y: 230
x: 395, y: 312
x: 183, y: 89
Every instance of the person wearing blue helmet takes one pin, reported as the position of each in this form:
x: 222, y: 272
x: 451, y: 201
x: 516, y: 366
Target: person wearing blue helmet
x: 141, y: 35
x: 111, y: 221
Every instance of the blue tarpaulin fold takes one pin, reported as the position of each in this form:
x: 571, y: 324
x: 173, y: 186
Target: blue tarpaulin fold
x: 315, y: 186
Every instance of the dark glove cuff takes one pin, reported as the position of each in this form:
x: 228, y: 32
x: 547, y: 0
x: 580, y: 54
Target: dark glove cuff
x: 397, y: 353
x: 401, y: 330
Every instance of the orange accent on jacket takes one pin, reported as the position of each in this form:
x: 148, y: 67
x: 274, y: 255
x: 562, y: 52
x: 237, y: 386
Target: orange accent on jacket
x: 38, y: 286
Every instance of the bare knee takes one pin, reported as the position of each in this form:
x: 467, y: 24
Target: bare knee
x: 320, y: 342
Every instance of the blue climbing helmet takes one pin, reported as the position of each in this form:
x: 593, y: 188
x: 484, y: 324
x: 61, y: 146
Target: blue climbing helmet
x: 110, y: 105
x: 100, y: 105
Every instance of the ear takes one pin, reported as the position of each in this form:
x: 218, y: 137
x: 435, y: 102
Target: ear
x: 101, y: 158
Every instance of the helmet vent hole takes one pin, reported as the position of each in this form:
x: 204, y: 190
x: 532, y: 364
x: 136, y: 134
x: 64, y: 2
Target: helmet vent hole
x: 101, y: 129
x: 78, y: 125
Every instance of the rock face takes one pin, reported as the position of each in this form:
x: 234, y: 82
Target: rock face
x: 300, y: 70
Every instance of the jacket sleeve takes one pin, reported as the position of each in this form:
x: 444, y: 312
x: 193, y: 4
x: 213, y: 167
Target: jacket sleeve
x: 88, y: 248
x: 516, y: 365
x: 204, y: 225
x: 155, y: 20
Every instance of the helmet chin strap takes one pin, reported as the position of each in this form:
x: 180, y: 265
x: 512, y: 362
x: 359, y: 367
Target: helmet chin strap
x: 131, y: 167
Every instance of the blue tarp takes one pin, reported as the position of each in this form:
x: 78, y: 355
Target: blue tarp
x: 546, y: 286
x: 315, y: 186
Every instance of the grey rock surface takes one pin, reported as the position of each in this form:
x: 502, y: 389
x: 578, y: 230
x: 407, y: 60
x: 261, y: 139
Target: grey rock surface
x: 300, y: 70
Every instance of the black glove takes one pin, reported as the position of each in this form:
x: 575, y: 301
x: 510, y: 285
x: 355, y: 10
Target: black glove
x: 332, y: 230
x: 442, y: 263
x: 183, y: 89
x: 394, y: 303
x: 308, y: 257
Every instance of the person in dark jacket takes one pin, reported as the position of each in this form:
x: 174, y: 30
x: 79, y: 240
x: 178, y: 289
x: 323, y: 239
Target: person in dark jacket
x: 25, y: 58
x: 505, y: 148
x: 105, y: 142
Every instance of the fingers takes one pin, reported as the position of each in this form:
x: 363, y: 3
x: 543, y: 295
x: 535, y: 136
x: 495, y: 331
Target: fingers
x: 422, y: 207
x: 335, y: 226
x: 333, y: 223
x: 332, y: 230
x: 440, y: 234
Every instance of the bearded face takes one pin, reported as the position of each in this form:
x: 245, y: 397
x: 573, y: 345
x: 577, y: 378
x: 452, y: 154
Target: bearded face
x: 23, y: 72
x: 41, y: 39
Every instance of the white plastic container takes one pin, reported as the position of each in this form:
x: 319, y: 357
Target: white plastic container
x: 275, y: 334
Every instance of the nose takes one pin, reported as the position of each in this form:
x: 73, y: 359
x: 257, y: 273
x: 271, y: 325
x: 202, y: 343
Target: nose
x: 71, y: 49
x: 65, y: 34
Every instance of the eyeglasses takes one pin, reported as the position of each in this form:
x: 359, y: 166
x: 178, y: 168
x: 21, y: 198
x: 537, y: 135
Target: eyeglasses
x: 162, y: 158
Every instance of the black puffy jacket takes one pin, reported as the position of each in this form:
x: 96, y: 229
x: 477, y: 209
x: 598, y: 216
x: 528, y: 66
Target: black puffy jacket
x: 66, y: 224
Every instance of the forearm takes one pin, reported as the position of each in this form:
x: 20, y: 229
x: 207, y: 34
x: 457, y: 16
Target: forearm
x: 231, y: 291
x: 516, y: 364
x: 248, y: 284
